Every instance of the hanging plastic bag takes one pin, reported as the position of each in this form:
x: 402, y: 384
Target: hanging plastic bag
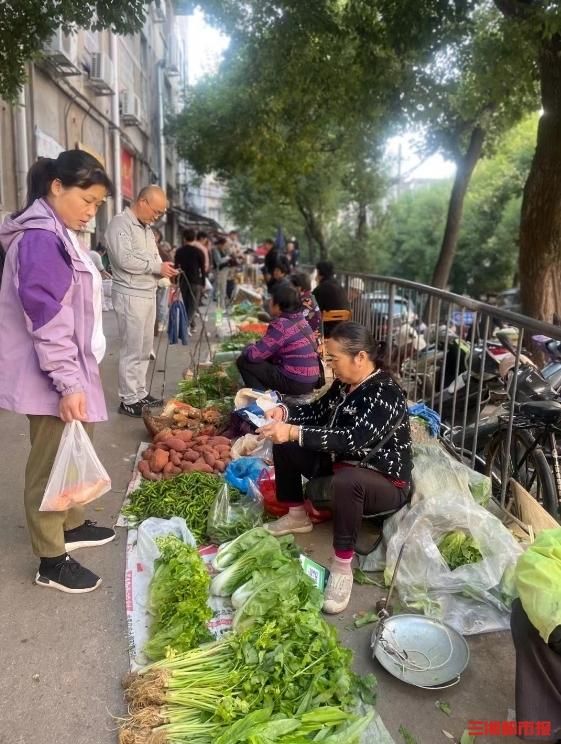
x: 234, y: 513
x: 78, y: 476
x: 473, y: 598
x: 252, y: 445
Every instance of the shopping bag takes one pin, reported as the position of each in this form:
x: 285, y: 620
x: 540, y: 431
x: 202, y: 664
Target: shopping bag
x: 78, y: 476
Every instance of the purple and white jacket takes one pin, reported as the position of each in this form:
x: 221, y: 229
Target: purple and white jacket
x: 46, y: 318
x: 290, y: 345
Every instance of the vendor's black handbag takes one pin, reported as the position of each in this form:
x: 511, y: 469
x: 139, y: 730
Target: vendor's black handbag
x: 318, y: 490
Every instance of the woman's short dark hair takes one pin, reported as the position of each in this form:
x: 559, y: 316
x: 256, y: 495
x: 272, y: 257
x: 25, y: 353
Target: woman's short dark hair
x: 302, y: 281
x: 287, y: 298
x: 354, y: 338
x: 72, y: 168
x: 325, y: 269
x: 202, y: 235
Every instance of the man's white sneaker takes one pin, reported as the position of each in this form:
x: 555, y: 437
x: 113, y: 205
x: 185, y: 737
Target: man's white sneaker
x: 290, y: 524
x: 337, y: 592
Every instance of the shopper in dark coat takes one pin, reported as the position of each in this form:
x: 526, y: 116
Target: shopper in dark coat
x: 330, y: 295
x: 190, y: 259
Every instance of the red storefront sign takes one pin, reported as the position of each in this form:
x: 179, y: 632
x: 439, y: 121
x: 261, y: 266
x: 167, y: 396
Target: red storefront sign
x: 127, y: 174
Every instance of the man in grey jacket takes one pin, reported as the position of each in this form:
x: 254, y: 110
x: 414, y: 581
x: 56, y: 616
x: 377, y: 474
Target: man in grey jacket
x: 137, y: 267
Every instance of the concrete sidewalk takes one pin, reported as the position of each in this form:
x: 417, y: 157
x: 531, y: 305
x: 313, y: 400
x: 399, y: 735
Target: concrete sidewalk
x: 63, y: 656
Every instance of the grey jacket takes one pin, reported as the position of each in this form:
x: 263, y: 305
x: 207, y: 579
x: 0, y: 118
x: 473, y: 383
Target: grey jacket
x: 134, y: 256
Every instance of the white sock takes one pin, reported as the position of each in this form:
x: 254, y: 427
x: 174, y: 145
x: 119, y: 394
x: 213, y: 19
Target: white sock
x: 341, y: 565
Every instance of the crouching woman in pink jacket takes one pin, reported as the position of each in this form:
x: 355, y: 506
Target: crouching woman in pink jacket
x: 51, y: 343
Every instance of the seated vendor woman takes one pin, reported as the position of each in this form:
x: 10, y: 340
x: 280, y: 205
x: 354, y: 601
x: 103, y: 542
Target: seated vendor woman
x: 359, y: 433
x: 285, y: 359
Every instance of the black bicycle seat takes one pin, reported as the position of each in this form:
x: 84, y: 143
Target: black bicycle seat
x: 546, y: 411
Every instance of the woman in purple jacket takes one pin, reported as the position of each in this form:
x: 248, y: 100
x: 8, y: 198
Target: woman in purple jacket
x: 51, y: 343
x: 286, y: 358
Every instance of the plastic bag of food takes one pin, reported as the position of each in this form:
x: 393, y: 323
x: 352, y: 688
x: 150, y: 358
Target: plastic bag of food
x: 472, y: 598
x: 240, y: 473
x: 234, y: 513
x: 436, y: 472
x: 78, y: 476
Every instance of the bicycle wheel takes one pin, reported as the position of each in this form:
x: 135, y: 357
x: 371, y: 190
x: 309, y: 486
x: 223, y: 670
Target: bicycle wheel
x: 530, y: 469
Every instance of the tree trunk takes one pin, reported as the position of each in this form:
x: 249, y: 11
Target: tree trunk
x: 540, y: 225
x: 314, y: 228
x: 362, y: 223
x: 464, y: 171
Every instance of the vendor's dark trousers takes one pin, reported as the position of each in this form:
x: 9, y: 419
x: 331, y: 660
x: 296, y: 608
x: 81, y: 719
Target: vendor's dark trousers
x: 354, y: 491
x: 538, y: 675
x: 267, y: 376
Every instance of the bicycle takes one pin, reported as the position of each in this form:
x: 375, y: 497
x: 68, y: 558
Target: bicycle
x: 533, y: 458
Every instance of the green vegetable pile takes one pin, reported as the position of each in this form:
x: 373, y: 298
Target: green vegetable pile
x: 289, y: 665
x: 282, y: 676
x: 178, y: 599
x: 190, y: 496
x: 239, y: 340
x: 459, y: 549
x: 215, y: 384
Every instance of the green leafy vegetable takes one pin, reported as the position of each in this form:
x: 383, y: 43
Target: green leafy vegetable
x: 230, y: 551
x: 364, y: 618
x: 408, y: 738
x: 178, y: 599
x: 459, y: 549
x: 239, y: 340
x: 216, y: 383
x: 467, y: 738
x: 444, y: 707
x: 361, y: 577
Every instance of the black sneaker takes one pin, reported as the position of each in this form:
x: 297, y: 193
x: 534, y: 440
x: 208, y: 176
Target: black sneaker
x: 151, y: 401
x: 88, y: 535
x: 67, y: 576
x: 132, y: 409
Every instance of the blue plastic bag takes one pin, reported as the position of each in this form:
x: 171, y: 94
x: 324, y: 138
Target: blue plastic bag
x: 240, y: 473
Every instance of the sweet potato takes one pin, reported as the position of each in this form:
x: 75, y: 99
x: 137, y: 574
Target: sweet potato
x: 175, y: 458
x: 199, y: 463
x: 219, y: 466
x: 176, y: 470
x: 164, y: 434
x: 186, y: 435
x: 221, y: 440
x: 223, y: 450
x: 209, y: 459
x: 204, y: 468
x: 190, y: 456
x: 187, y: 467
x: 176, y: 444
x: 144, y: 468
x: 208, y: 431
x: 147, y: 454
x: 159, y: 460
x: 161, y: 446
x: 168, y: 468
x: 153, y: 476
x: 203, y: 438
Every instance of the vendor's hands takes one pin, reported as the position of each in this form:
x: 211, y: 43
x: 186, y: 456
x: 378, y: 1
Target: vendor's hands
x: 168, y: 270
x: 276, y: 413
x: 277, y: 432
x: 73, y: 407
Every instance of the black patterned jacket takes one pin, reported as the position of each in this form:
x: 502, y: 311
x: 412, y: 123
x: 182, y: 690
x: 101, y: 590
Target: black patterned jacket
x: 349, y: 425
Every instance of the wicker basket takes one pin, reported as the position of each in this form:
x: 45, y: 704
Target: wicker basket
x: 155, y: 422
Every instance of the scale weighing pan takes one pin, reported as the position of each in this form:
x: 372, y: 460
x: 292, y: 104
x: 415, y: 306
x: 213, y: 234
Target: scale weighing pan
x: 423, y: 639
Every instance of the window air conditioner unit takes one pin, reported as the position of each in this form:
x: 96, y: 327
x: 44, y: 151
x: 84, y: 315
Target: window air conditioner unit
x: 131, y: 109
x: 101, y: 74
x: 61, y: 51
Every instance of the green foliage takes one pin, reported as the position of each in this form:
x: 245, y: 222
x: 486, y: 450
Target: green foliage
x: 26, y: 25
x: 409, y: 234
x: 459, y: 549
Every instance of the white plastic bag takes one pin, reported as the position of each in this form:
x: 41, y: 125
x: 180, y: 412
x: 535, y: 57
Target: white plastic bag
x: 473, y: 598
x: 78, y: 476
x: 436, y: 473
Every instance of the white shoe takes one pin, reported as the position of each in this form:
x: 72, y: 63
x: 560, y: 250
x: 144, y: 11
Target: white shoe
x: 290, y: 525
x: 152, y: 355
x: 337, y: 592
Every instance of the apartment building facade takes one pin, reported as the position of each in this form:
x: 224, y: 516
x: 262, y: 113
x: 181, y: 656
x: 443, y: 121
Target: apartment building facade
x: 111, y: 96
